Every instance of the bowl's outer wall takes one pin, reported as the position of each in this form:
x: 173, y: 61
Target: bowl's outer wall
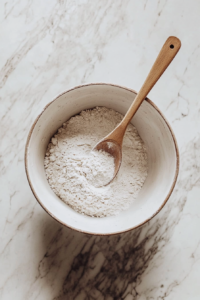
x: 163, y: 157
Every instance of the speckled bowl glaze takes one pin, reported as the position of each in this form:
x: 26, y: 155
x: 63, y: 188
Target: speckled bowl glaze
x: 163, y: 157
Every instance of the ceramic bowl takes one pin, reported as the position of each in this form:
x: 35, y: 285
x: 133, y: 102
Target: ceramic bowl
x: 163, y: 157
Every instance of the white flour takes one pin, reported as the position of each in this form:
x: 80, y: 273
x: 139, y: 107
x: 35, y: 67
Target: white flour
x: 70, y: 165
x: 99, y: 168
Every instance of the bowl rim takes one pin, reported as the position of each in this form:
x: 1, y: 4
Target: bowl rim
x: 87, y: 232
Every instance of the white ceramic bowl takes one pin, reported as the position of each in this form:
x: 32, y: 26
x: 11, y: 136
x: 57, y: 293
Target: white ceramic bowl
x: 163, y: 157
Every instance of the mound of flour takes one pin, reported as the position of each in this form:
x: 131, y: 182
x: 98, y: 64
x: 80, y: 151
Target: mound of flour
x: 99, y: 168
x: 75, y: 173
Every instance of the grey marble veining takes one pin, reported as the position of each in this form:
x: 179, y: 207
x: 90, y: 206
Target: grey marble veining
x: 46, y: 48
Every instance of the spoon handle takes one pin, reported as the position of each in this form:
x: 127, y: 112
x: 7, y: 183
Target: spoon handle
x: 166, y: 55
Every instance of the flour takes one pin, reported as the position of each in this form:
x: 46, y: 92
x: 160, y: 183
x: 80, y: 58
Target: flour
x: 75, y: 173
x: 99, y: 168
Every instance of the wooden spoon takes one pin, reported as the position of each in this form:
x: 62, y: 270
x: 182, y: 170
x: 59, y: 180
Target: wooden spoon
x: 112, y: 143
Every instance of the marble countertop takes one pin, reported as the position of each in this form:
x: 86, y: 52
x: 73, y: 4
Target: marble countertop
x: 48, y: 47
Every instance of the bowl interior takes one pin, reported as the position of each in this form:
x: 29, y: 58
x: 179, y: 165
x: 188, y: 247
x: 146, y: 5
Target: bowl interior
x: 153, y: 129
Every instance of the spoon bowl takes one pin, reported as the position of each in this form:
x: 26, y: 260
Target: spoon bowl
x: 114, y: 149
